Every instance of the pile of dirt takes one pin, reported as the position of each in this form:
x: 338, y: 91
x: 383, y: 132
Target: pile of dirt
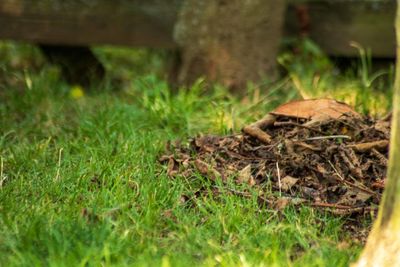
x: 319, y: 153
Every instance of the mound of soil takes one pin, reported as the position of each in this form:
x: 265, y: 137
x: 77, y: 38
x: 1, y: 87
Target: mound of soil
x: 319, y: 153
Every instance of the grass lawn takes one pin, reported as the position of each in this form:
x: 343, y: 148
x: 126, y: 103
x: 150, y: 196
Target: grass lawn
x: 80, y: 184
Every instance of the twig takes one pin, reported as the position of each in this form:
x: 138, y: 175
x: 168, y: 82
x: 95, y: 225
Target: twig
x: 383, y: 160
x: 258, y: 133
x: 327, y: 137
x: 351, y: 184
x: 279, y: 179
x: 357, y: 172
x: 330, y: 205
x: 255, y: 129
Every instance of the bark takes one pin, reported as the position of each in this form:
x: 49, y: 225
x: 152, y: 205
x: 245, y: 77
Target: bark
x: 383, y: 245
x: 229, y: 42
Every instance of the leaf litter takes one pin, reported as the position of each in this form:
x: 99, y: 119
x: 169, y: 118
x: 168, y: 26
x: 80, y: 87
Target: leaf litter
x: 319, y: 153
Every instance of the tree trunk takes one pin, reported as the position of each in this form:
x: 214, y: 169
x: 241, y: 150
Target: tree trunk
x: 229, y: 42
x: 383, y: 245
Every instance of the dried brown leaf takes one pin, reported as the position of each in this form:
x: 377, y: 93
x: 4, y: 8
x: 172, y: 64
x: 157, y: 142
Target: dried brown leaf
x: 288, y: 182
x: 281, y: 203
x: 310, y: 108
x: 207, y: 170
x: 244, y: 175
x: 172, y: 167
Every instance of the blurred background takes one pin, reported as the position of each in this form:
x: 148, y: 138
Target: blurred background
x: 341, y: 49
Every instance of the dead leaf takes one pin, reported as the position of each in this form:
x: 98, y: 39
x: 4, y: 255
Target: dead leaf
x: 207, y: 170
x: 172, y: 167
x: 307, y: 109
x: 353, y: 197
x: 164, y: 158
x: 201, y: 166
x: 307, y: 146
x: 281, y: 203
x: 288, y: 182
x: 245, y: 176
x: 321, y: 169
x: 206, y: 143
x: 379, y: 184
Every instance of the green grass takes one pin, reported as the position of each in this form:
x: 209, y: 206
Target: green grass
x: 81, y: 184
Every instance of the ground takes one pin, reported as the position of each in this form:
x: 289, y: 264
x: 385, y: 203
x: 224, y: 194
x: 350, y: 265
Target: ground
x: 81, y: 183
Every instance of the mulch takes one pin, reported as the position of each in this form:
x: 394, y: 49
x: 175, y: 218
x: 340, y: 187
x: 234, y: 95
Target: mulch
x: 328, y: 158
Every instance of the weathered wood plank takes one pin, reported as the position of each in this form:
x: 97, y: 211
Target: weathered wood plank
x: 82, y: 22
x: 150, y: 23
x: 334, y: 24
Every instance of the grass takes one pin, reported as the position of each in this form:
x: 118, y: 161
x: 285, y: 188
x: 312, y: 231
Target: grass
x: 80, y: 183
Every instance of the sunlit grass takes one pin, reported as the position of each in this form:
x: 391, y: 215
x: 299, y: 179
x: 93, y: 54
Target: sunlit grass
x: 81, y: 185
x: 368, y: 91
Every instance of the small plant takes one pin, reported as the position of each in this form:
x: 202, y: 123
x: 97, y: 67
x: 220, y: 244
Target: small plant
x: 313, y: 75
x: 365, y: 70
